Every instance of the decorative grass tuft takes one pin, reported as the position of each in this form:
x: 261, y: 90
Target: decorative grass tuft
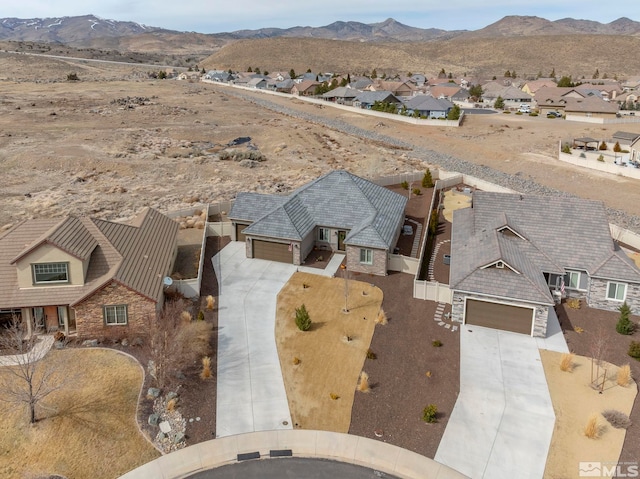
x: 566, y: 362
x: 334, y: 396
x: 171, y: 404
x: 578, y: 329
x: 591, y: 430
x: 436, y: 343
x: 363, y: 383
x: 371, y: 354
x: 186, y: 316
x: 573, y: 303
x: 206, y: 368
x: 211, y: 302
x: 296, y: 360
x: 381, y: 318
x: 624, y: 377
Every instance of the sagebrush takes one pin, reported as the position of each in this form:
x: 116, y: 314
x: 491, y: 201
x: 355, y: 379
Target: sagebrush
x: 617, y: 419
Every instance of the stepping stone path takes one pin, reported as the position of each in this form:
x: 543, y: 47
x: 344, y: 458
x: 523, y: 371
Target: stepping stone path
x: 440, y: 317
x: 416, y: 239
x: 434, y: 255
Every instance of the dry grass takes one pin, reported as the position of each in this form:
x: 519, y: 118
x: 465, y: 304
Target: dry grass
x: 330, y: 364
x: 592, y: 430
x: 186, y: 316
x: 91, y: 429
x: 566, y: 362
x: 363, y: 383
x: 206, y: 368
x: 211, y: 302
x: 623, y: 378
x: 381, y: 318
x: 573, y: 303
x: 172, y: 404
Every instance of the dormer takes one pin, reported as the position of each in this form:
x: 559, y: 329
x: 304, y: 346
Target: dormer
x: 60, y: 257
x: 500, y: 264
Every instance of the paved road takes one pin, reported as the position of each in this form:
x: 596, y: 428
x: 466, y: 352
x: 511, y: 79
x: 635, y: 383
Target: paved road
x: 294, y: 468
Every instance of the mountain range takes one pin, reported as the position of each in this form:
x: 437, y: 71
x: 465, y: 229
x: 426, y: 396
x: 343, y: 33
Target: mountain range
x: 91, y: 30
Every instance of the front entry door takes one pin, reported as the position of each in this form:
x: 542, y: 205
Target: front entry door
x: 38, y: 318
x: 341, y: 236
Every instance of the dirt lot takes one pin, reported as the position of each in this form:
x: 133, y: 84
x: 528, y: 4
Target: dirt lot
x: 107, y: 147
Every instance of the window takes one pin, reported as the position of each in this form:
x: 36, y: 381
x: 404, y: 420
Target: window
x: 50, y: 273
x: 366, y: 256
x: 323, y: 234
x: 115, y: 314
x: 572, y: 280
x: 616, y: 291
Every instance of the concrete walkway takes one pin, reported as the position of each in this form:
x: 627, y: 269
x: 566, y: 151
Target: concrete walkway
x: 502, y: 423
x: 329, y: 270
x: 251, y: 395
x: 40, y: 349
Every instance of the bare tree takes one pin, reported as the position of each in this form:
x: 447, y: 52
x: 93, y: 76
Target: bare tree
x: 27, y: 378
x: 175, y: 342
x: 598, y: 349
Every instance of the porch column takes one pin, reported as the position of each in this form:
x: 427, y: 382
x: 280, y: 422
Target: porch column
x: 26, y: 316
x: 66, y: 321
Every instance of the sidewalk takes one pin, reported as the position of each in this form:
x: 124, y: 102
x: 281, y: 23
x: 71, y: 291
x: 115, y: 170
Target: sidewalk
x: 40, y: 349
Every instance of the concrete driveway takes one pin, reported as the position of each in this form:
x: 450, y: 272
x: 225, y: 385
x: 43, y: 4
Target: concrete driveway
x: 251, y: 395
x: 503, y: 420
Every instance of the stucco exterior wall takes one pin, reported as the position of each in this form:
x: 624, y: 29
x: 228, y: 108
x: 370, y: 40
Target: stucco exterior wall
x: 49, y: 254
x: 541, y: 310
x: 597, y: 297
x: 90, y: 320
x: 378, y: 266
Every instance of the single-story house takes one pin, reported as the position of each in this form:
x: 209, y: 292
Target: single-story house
x: 338, y: 211
x: 591, y: 106
x: 342, y: 95
x: 428, y: 106
x: 305, y: 88
x: 625, y: 138
x: 512, y: 96
x: 532, y: 87
x: 191, y: 76
x: 398, y: 88
x: 258, y: 83
x: 367, y: 99
x: 513, y: 256
x: 96, y: 278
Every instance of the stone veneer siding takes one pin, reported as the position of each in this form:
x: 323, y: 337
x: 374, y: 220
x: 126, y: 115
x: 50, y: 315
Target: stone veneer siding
x: 597, y: 297
x: 379, y: 266
x: 90, y: 319
x: 541, y: 313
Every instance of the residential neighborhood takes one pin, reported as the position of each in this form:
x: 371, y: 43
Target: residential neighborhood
x: 337, y: 269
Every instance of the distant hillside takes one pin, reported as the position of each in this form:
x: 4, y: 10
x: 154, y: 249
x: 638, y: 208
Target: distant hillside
x: 512, y: 26
x: 89, y: 30
x: 575, y: 55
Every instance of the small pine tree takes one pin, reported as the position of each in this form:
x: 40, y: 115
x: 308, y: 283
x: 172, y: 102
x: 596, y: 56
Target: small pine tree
x: 499, y: 103
x: 617, y: 147
x: 603, y: 146
x: 433, y: 222
x: 624, y: 324
x: 427, y: 179
x: 303, y: 321
x: 429, y: 414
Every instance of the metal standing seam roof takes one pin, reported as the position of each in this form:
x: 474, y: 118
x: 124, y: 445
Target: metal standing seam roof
x: 559, y: 234
x: 137, y: 255
x: 371, y: 213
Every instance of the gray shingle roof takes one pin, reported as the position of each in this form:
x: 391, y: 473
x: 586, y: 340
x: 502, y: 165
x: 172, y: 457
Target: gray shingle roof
x: 370, y: 97
x: 557, y: 234
x: 427, y: 102
x: 370, y: 213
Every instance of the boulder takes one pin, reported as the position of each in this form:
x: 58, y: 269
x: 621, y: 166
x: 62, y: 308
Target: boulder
x: 92, y: 343
x: 178, y: 438
x: 171, y: 395
x: 153, y: 419
x: 165, y: 427
x: 153, y: 393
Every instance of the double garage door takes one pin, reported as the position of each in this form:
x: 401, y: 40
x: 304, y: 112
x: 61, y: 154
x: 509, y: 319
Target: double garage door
x: 272, y: 251
x: 499, y: 316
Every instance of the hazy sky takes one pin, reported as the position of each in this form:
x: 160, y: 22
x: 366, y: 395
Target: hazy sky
x: 212, y: 16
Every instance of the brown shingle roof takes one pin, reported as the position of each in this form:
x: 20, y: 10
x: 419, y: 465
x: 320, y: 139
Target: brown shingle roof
x: 138, y: 255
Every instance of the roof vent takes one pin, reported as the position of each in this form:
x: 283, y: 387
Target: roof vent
x: 500, y: 264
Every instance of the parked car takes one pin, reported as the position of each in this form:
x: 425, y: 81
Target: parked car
x: 524, y: 109
x: 554, y: 114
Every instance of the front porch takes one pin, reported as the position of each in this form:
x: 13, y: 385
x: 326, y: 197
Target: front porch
x: 49, y: 319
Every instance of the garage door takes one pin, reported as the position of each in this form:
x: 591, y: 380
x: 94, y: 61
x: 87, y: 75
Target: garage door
x: 499, y: 316
x: 239, y: 235
x: 272, y: 251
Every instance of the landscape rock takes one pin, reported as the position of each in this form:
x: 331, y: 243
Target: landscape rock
x: 165, y: 427
x: 153, y: 419
x: 178, y: 438
x: 171, y: 395
x: 153, y: 393
x: 91, y: 343
x: 125, y: 342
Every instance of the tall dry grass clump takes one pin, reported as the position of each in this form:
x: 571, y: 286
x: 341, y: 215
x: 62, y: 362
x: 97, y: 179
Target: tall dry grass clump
x: 171, y: 404
x: 206, y: 368
x: 211, y: 302
x: 591, y: 430
x: 186, y: 317
x: 624, y: 376
x: 363, y: 383
x: 566, y: 362
x: 382, y: 317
